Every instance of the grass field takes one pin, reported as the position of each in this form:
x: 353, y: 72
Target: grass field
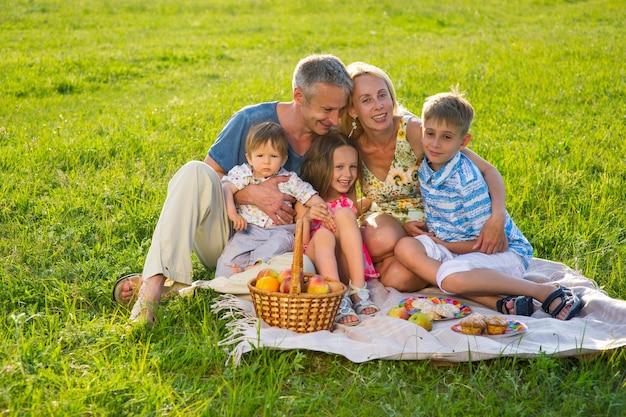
x: 102, y: 101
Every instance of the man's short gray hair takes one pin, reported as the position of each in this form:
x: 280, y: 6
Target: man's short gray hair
x: 327, y: 69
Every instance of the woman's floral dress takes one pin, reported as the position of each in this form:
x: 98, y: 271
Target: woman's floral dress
x: 399, y: 195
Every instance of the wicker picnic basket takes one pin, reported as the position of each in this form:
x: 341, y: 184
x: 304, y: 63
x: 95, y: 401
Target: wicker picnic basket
x: 297, y: 310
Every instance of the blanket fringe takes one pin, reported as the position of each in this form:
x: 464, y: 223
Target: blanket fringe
x: 238, y: 327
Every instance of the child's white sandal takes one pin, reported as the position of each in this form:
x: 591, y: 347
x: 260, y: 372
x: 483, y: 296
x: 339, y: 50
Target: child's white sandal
x: 346, y: 310
x: 364, y: 299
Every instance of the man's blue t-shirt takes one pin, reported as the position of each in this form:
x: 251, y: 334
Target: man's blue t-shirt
x: 229, y: 148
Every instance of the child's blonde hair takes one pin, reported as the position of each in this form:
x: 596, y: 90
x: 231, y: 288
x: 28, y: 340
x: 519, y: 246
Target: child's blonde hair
x: 450, y: 107
x: 317, y: 167
x: 268, y: 132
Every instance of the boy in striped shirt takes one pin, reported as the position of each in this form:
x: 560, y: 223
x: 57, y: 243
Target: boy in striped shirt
x: 457, y: 204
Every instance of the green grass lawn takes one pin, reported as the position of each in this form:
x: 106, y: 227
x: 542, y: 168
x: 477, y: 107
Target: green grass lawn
x: 102, y: 101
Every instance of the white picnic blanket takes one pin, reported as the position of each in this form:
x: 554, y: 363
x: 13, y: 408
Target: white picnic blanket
x: 601, y: 326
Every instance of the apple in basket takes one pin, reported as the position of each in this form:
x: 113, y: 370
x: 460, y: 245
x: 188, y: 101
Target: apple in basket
x: 267, y: 271
x: 285, y: 273
x: 285, y: 285
x: 317, y: 285
x: 266, y: 280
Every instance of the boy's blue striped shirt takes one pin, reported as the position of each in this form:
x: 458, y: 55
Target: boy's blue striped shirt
x: 457, y: 204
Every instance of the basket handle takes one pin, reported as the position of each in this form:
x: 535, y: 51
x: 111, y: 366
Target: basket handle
x: 296, y: 266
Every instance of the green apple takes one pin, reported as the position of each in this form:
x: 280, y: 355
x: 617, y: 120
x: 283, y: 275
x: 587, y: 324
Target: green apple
x: 422, y: 320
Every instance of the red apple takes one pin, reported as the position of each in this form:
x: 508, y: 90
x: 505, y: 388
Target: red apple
x: 285, y: 285
x: 398, y: 312
x: 317, y: 285
x: 285, y: 273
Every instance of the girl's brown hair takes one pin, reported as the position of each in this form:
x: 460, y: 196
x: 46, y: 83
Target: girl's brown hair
x: 317, y: 167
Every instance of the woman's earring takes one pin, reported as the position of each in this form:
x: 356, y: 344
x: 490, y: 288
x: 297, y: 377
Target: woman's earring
x: 354, y: 126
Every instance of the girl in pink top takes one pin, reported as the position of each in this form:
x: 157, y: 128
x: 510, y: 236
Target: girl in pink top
x: 332, y: 167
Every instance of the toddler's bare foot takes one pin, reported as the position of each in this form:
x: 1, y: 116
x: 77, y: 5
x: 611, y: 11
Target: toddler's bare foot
x: 236, y: 269
x: 258, y: 262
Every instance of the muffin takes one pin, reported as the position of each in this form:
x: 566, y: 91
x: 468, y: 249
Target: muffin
x: 473, y: 324
x: 496, y: 324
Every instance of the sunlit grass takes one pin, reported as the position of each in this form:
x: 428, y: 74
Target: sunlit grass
x: 101, y: 102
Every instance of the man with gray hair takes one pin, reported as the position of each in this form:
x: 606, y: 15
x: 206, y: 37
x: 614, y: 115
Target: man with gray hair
x: 193, y: 217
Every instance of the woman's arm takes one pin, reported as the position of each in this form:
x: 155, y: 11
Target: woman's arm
x: 362, y: 205
x: 492, y: 238
x: 414, y: 137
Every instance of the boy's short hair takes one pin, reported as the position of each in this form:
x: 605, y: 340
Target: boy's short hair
x: 321, y: 68
x: 268, y: 132
x: 450, y: 107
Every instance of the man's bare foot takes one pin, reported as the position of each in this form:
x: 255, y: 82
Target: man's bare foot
x: 130, y: 290
x: 147, y: 300
x: 146, y: 316
x: 126, y: 289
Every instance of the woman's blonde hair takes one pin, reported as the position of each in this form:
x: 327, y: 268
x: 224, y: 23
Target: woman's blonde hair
x: 357, y: 69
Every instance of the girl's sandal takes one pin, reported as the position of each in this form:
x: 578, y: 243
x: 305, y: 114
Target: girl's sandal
x: 346, y: 310
x: 364, y: 300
